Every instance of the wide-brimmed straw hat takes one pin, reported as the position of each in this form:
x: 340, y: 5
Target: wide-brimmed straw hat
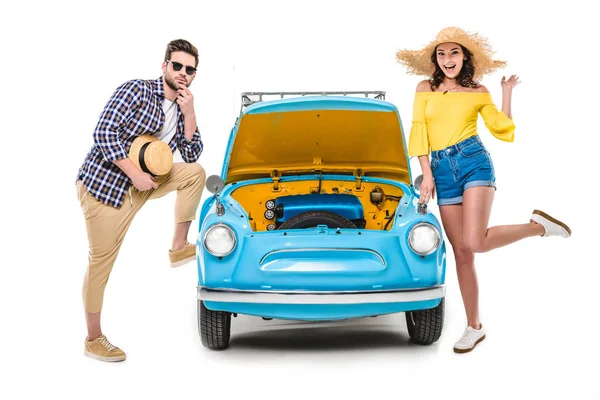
x: 151, y: 155
x: 418, y: 62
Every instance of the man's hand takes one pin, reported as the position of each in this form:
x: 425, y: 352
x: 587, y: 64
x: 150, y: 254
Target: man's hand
x: 143, y: 181
x: 185, y: 99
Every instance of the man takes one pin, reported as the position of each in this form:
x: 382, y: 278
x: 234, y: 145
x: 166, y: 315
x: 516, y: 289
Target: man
x: 111, y: 189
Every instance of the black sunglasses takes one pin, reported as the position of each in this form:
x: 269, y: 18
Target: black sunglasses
x: 177, y: 67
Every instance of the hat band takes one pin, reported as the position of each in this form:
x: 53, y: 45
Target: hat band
x: 141, y: 159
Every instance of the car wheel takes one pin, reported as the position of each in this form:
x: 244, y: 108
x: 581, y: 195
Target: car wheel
x: 311, y: 219
x: 425, y: 326
x: 214, y: 327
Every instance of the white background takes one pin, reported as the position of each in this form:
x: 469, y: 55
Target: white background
x: 62, y: 61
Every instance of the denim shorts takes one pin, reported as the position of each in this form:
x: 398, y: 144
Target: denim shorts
x: 459, y: 167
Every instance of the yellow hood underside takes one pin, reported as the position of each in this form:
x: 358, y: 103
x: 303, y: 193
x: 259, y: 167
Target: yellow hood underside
x: 330, y: 141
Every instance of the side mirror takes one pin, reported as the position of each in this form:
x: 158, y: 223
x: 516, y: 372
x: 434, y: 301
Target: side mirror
x: 418, y: 182
x: 214, y: 184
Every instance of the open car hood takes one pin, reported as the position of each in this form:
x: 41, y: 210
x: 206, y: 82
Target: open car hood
x: 317, y: 134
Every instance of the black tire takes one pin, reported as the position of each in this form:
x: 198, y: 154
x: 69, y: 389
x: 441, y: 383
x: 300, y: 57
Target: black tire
x: 425, y: 326
x: 311, y: 219
x: 214, y: 327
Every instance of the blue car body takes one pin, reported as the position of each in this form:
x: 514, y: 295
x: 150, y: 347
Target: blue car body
x: 292, y: 152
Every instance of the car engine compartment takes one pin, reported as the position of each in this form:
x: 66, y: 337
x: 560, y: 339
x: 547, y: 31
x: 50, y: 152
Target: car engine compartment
x: 308, y: 203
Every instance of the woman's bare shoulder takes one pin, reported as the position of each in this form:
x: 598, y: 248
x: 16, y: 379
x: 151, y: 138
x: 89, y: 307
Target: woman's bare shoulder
x: 481, y: 89
x: 424, y: 86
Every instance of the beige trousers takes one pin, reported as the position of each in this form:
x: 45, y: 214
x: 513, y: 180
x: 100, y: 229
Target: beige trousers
x: 107, y: 225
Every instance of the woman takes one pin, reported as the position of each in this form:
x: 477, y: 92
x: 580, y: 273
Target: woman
x: 461, y: 171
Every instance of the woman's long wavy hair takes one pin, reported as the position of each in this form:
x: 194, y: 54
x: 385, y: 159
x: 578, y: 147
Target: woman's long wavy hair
x: 464, y: 78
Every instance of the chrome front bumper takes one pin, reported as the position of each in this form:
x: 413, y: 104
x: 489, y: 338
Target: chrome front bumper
x: 299, y: 297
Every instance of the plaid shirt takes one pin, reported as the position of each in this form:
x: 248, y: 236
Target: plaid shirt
x: 134, y: 109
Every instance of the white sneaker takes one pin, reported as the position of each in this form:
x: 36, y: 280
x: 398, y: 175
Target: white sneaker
x: 552, y: 226
x: 469, y: 339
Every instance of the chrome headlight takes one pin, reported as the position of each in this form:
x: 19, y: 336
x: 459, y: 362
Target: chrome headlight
x: 424, y: 238
x: 219, y: 240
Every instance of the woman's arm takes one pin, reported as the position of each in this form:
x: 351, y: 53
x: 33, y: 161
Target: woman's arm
x: 507, y: 87
x: 419, y: 141
x: 427, y: 189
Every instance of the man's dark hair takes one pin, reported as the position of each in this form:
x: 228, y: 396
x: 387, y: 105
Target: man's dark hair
x: 181, y: 45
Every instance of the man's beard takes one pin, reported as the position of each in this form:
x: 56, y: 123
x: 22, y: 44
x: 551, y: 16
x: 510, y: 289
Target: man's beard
x: 171, y: 83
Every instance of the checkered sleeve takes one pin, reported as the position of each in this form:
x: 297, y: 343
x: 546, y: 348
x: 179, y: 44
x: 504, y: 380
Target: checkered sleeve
x: 190, y: 151
x: 123, y: 103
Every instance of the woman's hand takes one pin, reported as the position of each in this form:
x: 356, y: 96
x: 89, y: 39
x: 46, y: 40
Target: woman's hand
x: 427, y: 190
x: 509, y: 83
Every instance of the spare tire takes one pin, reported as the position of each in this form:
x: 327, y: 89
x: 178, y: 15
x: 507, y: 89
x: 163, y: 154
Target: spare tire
x: 311, y: 219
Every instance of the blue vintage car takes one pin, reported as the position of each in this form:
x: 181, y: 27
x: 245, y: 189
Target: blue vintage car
x: 315, y: 217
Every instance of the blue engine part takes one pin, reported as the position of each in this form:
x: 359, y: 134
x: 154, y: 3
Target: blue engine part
x: 346, y: 205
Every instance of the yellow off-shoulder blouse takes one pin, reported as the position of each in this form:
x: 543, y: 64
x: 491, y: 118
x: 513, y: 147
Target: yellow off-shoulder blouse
x: 441, y: 120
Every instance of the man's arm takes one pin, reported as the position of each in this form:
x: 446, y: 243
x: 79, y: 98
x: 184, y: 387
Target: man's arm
x: 123, y: 103
x: 192, y: 146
